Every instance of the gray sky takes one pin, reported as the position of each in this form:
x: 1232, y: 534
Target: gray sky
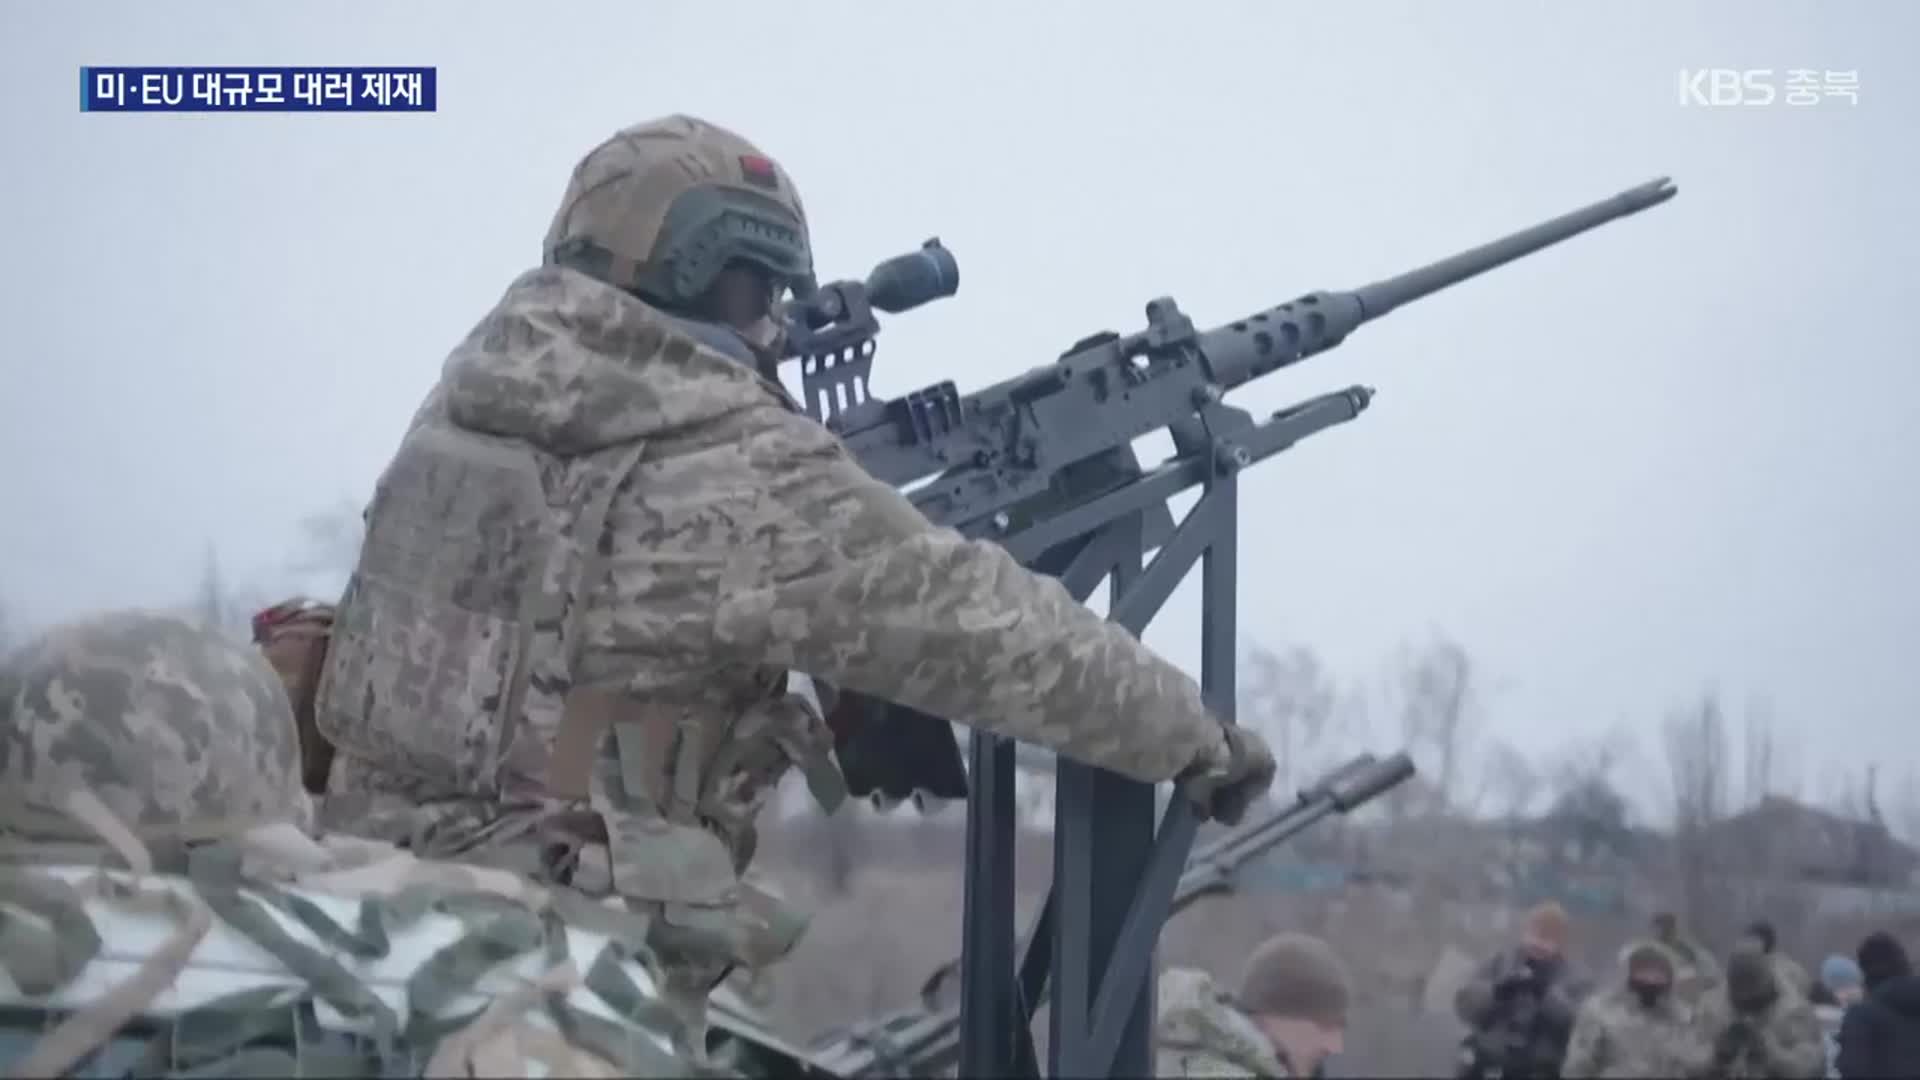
x: 1675, y: 453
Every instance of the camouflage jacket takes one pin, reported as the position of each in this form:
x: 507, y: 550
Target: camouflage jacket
x: 1783, y: 1042
x: 1200, y: 1033
x: 593, y: 503
x: 1614, y: 1035
x: 384, y: 965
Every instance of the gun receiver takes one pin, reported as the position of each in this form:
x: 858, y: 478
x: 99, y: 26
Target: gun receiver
x: 924, y: 1041
x: 1000, y: 446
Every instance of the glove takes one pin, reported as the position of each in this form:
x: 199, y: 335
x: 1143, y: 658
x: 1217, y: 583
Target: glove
x: 1732, y: 1041
x: 1222, y: 792
x: 1512, y: 982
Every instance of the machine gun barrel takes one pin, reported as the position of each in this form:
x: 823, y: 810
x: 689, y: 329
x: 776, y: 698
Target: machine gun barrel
x: 925, y: 1041
x: 1295, y: 330
x: 1346, y: 788
x: 997, y: 447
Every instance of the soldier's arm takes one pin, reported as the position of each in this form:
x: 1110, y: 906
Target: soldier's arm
x: 807, y: 562
x: 1473, y: 1002
x: 1793, y: 1045
x: 1587, y: 1047
x: 1561, y: 999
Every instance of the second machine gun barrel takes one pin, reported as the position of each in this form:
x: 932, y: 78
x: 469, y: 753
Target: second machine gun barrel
x: 925, y: 1041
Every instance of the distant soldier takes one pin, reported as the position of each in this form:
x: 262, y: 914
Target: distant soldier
x: 1519, y: 1007
x: 1840, y: 986
x: 1697, y: 971
x: 1761, y: 938
x: 1880, y: 1035
x: 1287, y: 1018
x: 1759, y: 1029
x: 1639, y: 1028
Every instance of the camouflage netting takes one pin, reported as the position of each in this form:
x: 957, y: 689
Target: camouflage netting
x: 376, y: 964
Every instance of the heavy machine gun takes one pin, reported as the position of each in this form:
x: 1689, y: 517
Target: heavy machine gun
x: 1044, y: 464
x: 926, y: 1041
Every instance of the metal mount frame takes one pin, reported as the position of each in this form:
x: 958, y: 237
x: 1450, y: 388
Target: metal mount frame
x: 1114, y: 873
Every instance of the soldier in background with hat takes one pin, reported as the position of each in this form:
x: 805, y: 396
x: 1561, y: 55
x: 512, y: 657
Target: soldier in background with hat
x: 1287, y: 1018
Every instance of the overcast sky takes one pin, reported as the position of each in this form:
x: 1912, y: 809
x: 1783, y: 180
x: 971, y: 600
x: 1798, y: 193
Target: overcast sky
x: 1676, y: 453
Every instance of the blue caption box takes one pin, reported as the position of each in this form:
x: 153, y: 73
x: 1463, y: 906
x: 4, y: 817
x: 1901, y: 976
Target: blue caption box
x: 257, y: 89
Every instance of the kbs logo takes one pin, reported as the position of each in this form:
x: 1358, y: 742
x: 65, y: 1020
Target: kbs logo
x: 1756, y: 87
x: 1722, y: 87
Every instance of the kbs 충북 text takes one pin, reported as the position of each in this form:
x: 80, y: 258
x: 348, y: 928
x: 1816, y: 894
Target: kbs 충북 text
x: 256, y: 89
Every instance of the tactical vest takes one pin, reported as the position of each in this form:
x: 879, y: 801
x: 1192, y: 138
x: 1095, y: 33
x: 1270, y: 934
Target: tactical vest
x: 451, y: 667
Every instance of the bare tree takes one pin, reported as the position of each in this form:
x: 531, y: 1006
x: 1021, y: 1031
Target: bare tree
x: 1511, y: 779
x: 1906, y: 821
x: 1697, y: 761
x: 1437, y: 693
x: 210, y: 605
x: 6, y: 630
x: 1288, y: 697
x: 1759, y: 756
x: 1589, y: 813
x: 330, y: 542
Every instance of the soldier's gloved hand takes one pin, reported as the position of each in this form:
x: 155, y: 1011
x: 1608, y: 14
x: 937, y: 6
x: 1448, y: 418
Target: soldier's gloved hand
x: 1731, y: 1041
x: 1222, y: 790
x: 1512, y: 982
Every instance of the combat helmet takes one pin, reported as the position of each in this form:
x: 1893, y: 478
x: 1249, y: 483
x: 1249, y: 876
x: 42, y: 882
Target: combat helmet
x: 660, y: 207
x: 182, y: 734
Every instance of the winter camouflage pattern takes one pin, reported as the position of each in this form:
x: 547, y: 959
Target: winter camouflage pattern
x: 1200, y: 1033
x: 1615, y: 1035
x: 98, y: 986
x: 180, y: 732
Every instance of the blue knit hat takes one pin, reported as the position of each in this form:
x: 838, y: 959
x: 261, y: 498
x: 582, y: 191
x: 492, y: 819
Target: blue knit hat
x: 1839, y: 972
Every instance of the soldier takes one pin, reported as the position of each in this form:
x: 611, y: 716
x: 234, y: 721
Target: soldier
x: 1763, y: 938
x: 150, y: 737
x: 1698, y: 972
x: 1840, y: 987
x: 1760, y: 1029
x: 1880, y: 1034
x: 1519, y: 1008
x: 608, y: 517
x: 1288, y: 1017
x: 179, y: 733
x: 1760, y: 937
x: 1637, y: 1029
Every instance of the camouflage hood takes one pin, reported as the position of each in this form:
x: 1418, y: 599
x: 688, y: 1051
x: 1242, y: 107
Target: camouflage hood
x: 572, y: 366
x: 1196, y: 1014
